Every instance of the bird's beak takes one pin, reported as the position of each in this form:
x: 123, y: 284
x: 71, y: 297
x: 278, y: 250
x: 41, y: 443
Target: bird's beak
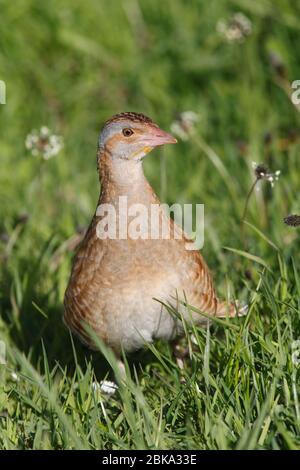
x: 158, y: 137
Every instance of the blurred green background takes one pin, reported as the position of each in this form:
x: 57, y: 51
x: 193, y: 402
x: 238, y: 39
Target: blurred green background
x: 71, y: 65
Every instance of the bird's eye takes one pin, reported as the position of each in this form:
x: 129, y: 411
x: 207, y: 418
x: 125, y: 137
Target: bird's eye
x: 127, y: 132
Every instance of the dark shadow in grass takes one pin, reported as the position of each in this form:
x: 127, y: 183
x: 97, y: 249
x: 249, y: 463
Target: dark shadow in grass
x: 37, y: 320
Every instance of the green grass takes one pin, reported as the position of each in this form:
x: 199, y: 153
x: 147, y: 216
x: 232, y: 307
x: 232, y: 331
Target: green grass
x: 70, y: 67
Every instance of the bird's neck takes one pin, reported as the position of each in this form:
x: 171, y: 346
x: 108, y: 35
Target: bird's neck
x: 123, y: 178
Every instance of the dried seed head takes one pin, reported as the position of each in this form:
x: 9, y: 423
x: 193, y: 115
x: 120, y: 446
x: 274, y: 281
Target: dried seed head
x: 262, y: 172
x: 292, y: 220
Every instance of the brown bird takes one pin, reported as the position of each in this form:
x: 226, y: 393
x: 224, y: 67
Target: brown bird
x: 122, y: 276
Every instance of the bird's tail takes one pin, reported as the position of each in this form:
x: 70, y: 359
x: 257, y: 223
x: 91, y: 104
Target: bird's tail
x: 231, y: 310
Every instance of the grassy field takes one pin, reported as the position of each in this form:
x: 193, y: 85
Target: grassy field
x: 71, y: 65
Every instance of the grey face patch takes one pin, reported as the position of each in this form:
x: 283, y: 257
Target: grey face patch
x: 125, y: 150
x: 111, y: 129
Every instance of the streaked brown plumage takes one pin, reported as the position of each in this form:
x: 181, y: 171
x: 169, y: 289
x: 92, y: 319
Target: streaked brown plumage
x: 115, y: 284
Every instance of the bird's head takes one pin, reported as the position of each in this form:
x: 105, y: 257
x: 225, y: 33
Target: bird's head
x: 130, y: 136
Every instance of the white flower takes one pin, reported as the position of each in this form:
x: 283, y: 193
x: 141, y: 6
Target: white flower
x: 236, y: 29
x: 105, y: 386
x: 184, y: 124
x: 262, y: 173
x: 43, y: 143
